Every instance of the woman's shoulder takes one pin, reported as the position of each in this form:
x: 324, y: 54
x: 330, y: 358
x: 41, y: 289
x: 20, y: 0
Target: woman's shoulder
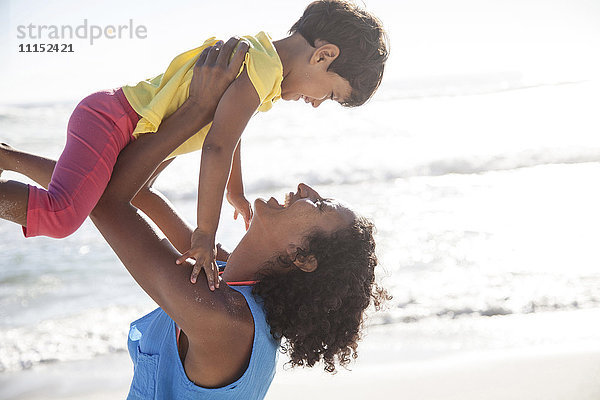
x: 237, y: 304
x: 228, y: 351
x: 229, y: 305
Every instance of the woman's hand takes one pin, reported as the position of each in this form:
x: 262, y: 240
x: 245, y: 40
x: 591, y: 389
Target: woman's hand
x: 242, y: 207
x: 212, y: 75
x: 203, y: 250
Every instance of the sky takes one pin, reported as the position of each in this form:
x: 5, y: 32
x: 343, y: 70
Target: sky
x: 535, y: 41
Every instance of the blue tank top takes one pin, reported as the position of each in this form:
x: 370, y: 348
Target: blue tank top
x: 159, y: 374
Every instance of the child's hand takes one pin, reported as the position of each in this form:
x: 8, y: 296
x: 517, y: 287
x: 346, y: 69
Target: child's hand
x: 203, y: 250
x: 241, y: 206
x: 212, y: 74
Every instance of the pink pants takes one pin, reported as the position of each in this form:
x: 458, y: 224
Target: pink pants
x: 99, y: 128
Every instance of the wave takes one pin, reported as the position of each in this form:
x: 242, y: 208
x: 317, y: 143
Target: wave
x: 464, y: 85
x: 475, y: 165
x: 77, y: 337
x: 80, y: 336
x: 351, y: 174
x: 26, y: 112
x: 456, y: 165
x: 403, y: 314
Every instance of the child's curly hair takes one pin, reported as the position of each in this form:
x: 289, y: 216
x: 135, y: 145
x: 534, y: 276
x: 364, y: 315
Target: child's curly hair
x: 320, y: 313
x: 360, y: 37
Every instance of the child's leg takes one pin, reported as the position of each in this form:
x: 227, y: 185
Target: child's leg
x: 99, y: 128
x: 13, y: 201
x: 36, y: 168
x: 13, y: 194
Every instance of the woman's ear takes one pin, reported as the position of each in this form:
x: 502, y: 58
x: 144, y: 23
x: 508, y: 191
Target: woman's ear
x: 324, y: 53
x: 305, y: 263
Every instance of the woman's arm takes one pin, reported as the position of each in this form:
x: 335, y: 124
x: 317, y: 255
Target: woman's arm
x: 148, y: 257
x: 161, y: 211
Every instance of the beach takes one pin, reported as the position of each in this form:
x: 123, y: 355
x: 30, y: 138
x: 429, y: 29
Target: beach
x: 490, y: 258
x: 552, y: 356
x: 477, y: 160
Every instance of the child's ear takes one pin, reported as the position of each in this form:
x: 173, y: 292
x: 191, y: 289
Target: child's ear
x: 325, y: 53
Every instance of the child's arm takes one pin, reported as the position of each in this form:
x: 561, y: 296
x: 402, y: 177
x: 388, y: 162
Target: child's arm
x: 235, y: 109
x: 235, y: 189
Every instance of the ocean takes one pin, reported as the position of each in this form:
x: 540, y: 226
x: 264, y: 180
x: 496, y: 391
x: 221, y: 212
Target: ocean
x: 484, y: 202
x: 480, y: 177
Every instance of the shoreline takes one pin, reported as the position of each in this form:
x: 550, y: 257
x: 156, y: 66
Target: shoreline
x: 399, y: 358
x: 549, y: 374
x: 559, y: 374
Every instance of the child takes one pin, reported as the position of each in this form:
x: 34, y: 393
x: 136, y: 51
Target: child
x: 336, y: 51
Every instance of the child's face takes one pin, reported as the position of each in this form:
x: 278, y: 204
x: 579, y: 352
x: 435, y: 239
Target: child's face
x: 311, y: 82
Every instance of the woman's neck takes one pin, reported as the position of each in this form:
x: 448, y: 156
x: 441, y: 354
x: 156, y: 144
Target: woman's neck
x: 247, y: 259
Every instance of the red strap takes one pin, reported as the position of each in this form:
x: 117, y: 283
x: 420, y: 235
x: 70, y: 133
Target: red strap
x: 241, y: 283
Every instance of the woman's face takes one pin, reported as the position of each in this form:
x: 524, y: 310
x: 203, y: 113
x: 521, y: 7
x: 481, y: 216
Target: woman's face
x: 302, y: 213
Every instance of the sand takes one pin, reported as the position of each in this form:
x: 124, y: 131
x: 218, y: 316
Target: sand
x: 565, y: 375
x: 547, y: 375
x: 397, y: 363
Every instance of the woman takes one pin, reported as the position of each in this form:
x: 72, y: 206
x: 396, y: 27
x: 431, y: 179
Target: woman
x: 313, y: 260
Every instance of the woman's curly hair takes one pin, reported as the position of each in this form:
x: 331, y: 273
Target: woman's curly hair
x: 320, y: 313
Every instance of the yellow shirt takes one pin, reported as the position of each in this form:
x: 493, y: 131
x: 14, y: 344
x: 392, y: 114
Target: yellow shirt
x: 157, y: 98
